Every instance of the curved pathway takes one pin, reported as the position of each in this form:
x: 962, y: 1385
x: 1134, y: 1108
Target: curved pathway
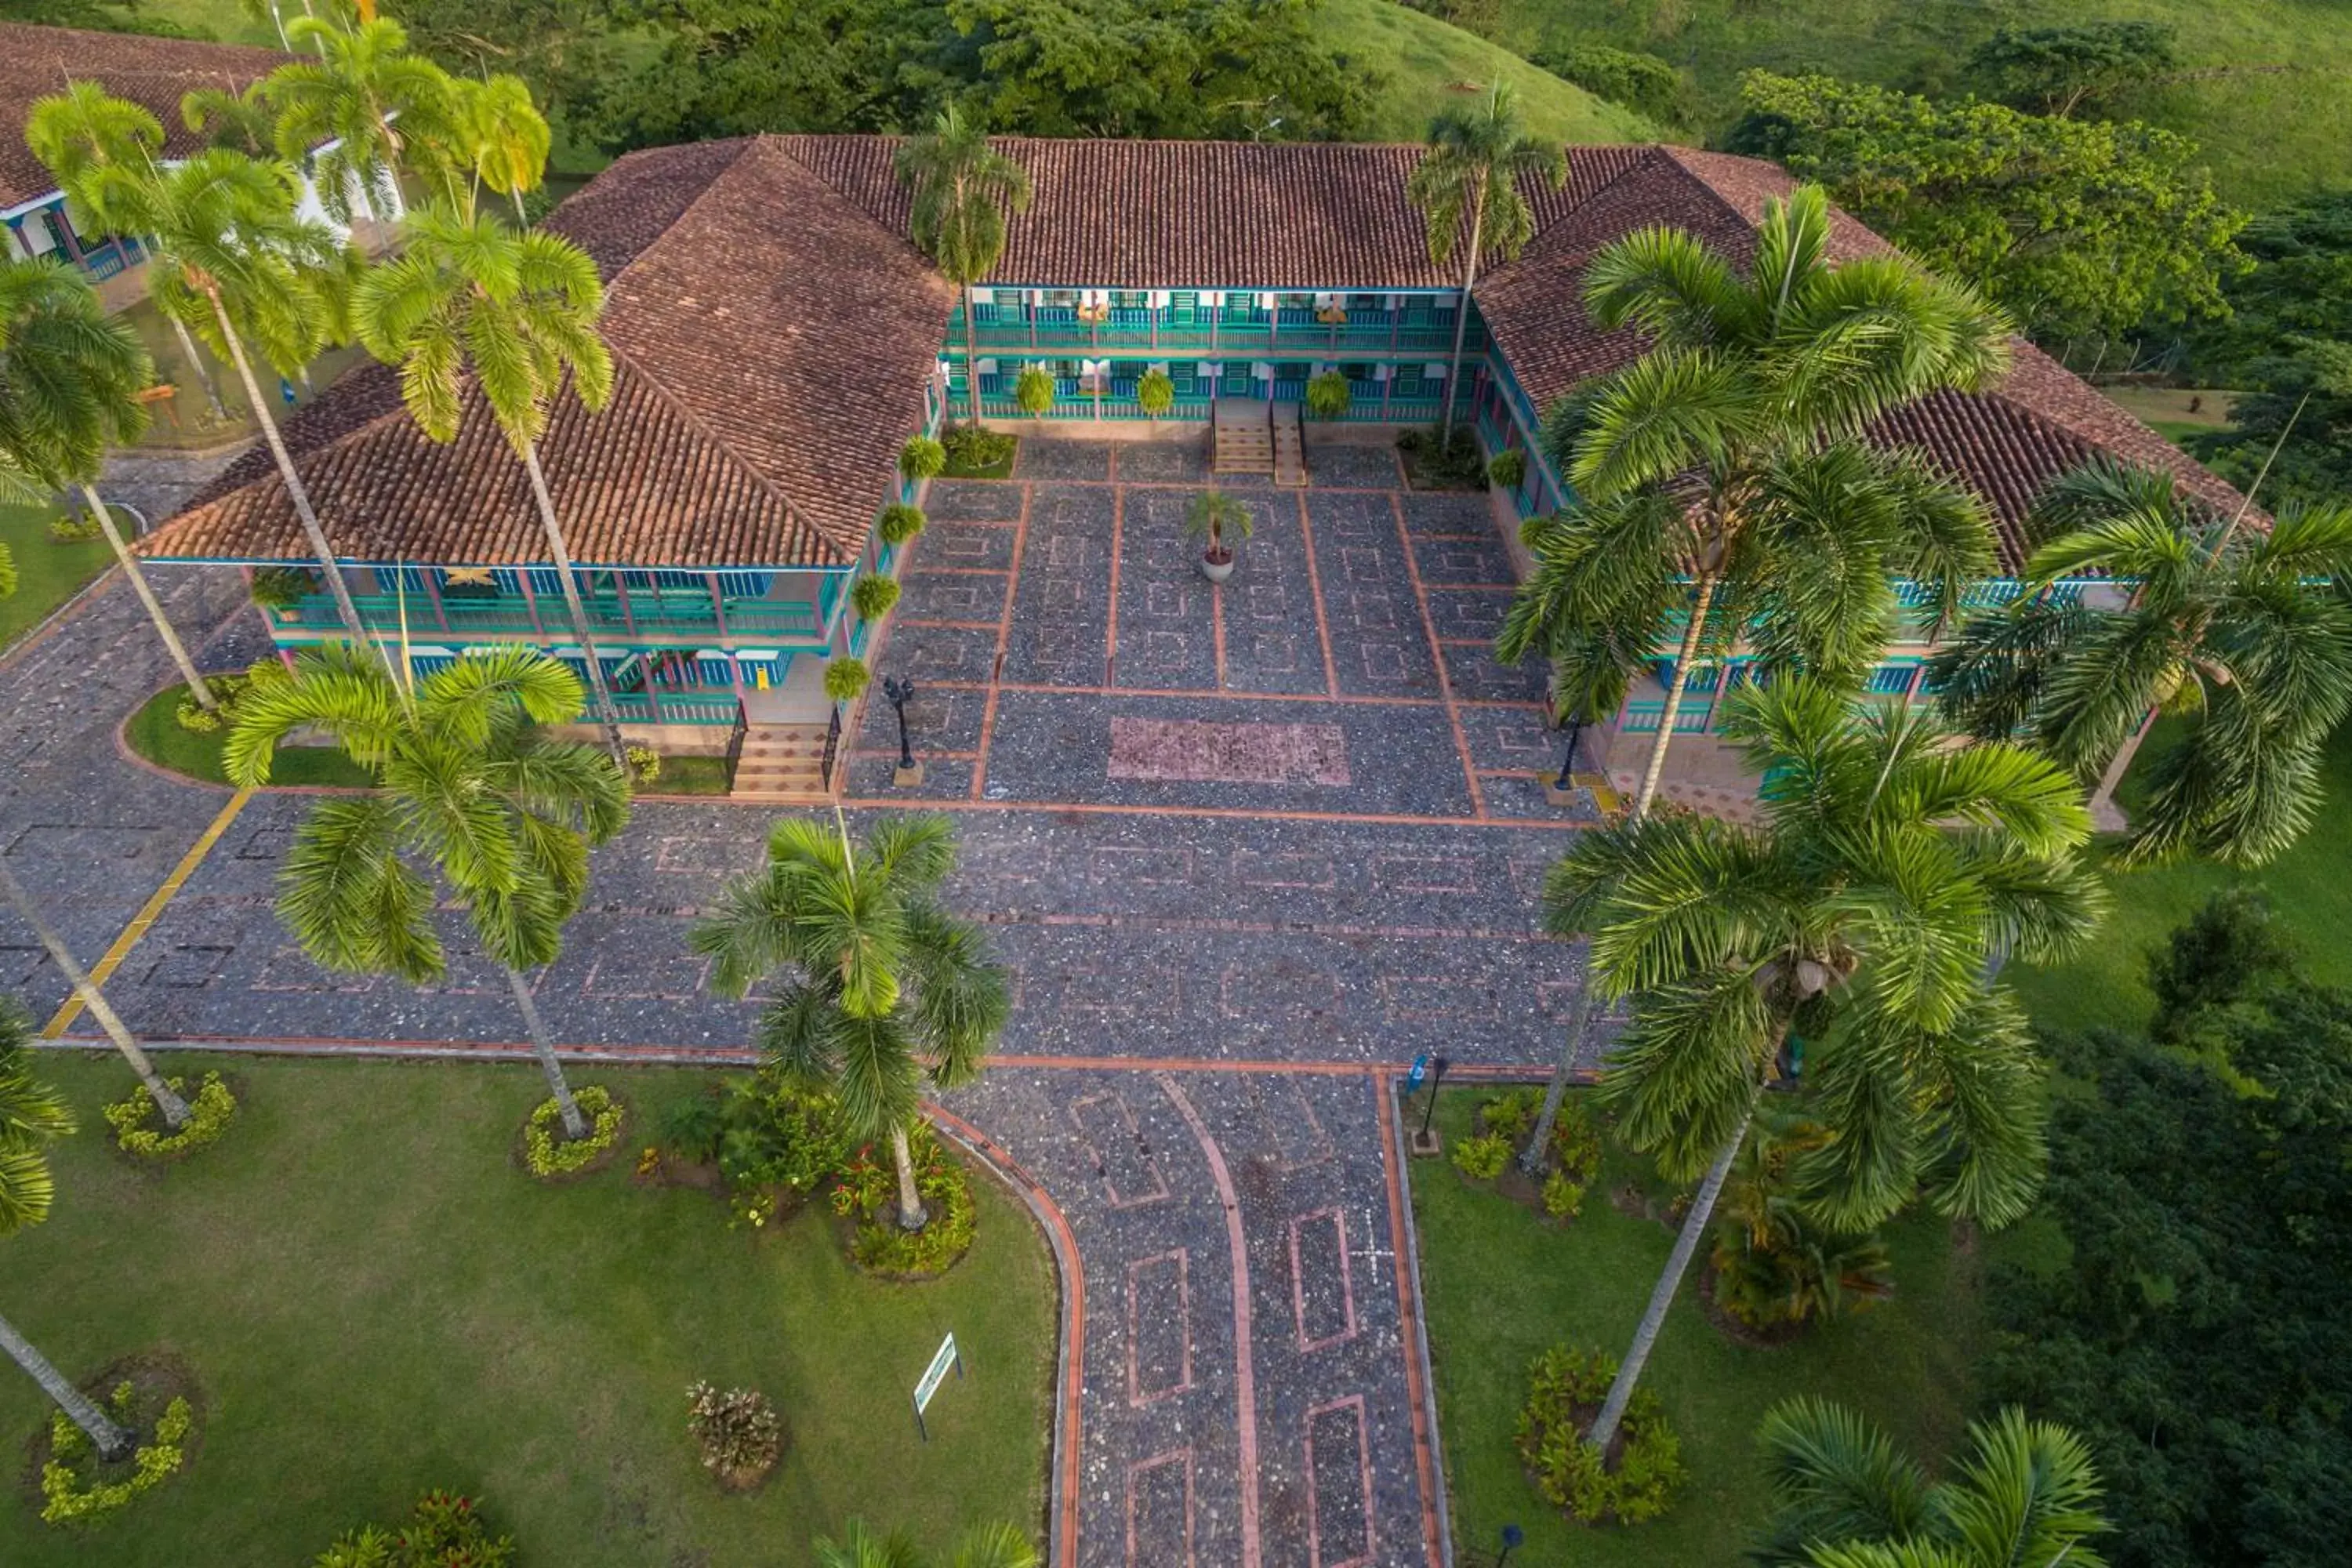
x: 1246, y: 854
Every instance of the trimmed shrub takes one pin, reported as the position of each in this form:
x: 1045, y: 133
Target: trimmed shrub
x: 1155, y: 392
x: 280, y: 587
x: 1034, y: 391
x: 739, y: 1429
x: 845, y: 679
x: 1456, y: 463
x: 73, y: 529
x: 1329, y: 396
x: 547, y: 1152
x: 900, y: 522
x: 70, y: 1487
x: 1567, y: 1388
x: 1511, y: 1113
x: 866, y: 1191
x: 644, y: 764
x: 1482, y: 1158
x: 1563, y: 1195
x: 973, y: 449
x: 922, y: 458
x: 1506, y: 470
x: 873, y: 595
x: 138, y: 1125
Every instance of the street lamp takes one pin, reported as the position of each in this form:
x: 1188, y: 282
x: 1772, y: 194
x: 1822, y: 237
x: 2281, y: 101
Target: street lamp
x: 901, y: 691
x: 1561, y: 791
x: 1513, y: 1539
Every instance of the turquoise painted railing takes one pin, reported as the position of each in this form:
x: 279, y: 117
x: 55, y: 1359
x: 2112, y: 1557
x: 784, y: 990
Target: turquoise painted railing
x: 1062, y: 338
x: 774, y: 618
x: 679, y: 707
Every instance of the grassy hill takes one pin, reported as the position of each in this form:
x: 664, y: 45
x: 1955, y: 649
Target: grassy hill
x: 2270, y: 135
x: 1431, y: 64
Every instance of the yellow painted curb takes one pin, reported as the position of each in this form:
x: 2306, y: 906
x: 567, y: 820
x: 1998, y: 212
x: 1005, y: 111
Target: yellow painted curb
x: 150, y: 911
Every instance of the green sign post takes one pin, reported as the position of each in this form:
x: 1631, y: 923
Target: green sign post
x: 934, y: 1375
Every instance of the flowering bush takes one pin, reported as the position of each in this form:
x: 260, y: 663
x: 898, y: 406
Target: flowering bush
x: 137, y: 1122
x: 549, y: 1153
x: 1568, y: 1386
x: 70, y: 1489
x: 739, y: 1429
x: 867, y: 1190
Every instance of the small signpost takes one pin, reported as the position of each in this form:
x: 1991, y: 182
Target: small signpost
x: 934, y: 1375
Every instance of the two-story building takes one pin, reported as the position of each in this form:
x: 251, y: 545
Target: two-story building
x: 778, y: 340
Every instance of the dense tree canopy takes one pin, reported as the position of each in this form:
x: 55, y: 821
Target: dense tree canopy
x: 2073, y: 226
x: 2200, y: 1335
x: 2288, y: 341
x: 1051, y: 68
x: 2055, y: 70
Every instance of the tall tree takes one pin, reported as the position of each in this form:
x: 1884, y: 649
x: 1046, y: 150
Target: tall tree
x: 31, y: 1113
x: 242, y: 121
x: 1846, y: 1497
x: 514, y: 314
x: 466, y: 785
x: 878, y: 987
x: 962, y: 187
x: 503, y: 136
x: 1470, y: 176
x: 233, y: 262
x: 1754, y: 393
x: 2238, y: 630
x: 85, y: 129
x: 2071, y: 226
x: 377, y: 110
x: 1888, y: 865
x: 70, y: 378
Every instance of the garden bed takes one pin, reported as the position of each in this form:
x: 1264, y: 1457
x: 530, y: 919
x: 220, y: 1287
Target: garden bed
x: 377, y: 1304
x: 1501, y: 1284
x: 153, y: 732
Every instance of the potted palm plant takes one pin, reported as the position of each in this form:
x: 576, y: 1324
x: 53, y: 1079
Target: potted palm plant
x: 1212, y: 516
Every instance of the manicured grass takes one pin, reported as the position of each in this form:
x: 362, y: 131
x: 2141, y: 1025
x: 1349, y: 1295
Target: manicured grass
x: 377, y: 1301
x: 2270, y: 135
x: 155, y: 732
x: 693, y: 775
x: 2310, y: 887
x: 1433, y: 65
x: 47, y: 574
x: 1500, y: 1285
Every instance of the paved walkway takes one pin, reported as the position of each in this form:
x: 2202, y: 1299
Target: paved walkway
x: 1241, y: 877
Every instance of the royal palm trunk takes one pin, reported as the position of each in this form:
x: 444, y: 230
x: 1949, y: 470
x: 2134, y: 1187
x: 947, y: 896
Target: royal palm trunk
x: 607, y: 717
x: 196, y: 687
x: 575, y: 1126
x: 911, y: 1214
x: 112, y: 1441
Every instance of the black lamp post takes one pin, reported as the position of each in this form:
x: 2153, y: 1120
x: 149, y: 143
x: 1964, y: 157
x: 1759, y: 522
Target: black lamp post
x: 901, y: 691
x: 1513, y: 1539
x: 1567, y: 763
x: 1429, y: 1106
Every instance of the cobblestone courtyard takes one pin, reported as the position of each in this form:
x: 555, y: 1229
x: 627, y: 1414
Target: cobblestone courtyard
x: 1247, y: 852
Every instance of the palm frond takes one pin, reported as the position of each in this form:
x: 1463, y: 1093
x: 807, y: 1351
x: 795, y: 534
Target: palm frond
x: 1835, y: 1477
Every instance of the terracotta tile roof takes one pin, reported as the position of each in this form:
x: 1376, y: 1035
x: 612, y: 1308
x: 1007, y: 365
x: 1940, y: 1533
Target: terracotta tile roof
x: 2006, y: 443
x: 775, y: 331
x: 772, y: 347
x: 35, y: 62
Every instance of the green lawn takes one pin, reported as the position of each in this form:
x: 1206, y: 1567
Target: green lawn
x: 1500, y: 1285
x: 1433, y: 64
x: 693, y: 775
x: 155, y: 732
x: 377, y: 1301
x: 47, y: 574
x: 2271, y: 135
x: 2310, y: 887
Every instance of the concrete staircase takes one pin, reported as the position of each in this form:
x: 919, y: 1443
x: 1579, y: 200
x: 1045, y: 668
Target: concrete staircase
x: 780, y: 764
x: 1289, y: 446
x: 1244, y: 439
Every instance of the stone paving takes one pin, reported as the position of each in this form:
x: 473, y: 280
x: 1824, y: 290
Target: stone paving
x: 1246, y: 853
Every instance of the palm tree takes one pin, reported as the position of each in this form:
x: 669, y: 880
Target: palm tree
x: 1471, y: 172
x: 983, y: 1546
x: 231, y: 260
x: 962, y: 189
x: 31, y: 1113
x: 1889, y: 863
x: 466, y: 783
x: 241, y: 121
x: 879, y: 987
x: 2027, y: 1496
x: 84, y: 129
x: 504, y: 136
x: 378, y: 110
x: 1744, y: 415
x: 70, y: 378
x: 2242, y: 632
x: 518, y: 312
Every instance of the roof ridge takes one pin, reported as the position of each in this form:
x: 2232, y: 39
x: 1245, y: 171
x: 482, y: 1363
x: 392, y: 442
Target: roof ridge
x: 781, y: 140
x: 743, y: 145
